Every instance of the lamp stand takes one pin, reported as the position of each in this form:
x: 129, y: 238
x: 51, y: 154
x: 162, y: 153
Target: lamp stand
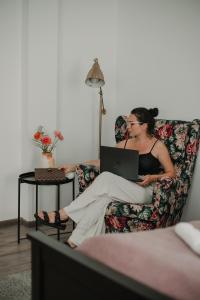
x: 102, y: 111
x: 95, y: 79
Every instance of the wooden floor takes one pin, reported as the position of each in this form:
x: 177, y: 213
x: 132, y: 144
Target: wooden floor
x: 16, y: 257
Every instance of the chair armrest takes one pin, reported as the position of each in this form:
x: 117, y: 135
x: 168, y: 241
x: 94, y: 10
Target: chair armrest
x: 131, y: 210
x: 163, y: 189
x: 166, y: 193
x: 170, y: 197
x: 86, y: 175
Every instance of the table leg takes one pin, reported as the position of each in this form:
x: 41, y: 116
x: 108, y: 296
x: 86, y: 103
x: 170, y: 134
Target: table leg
x: 73, y: 197
x: 36, y: 206
x: 73, y: 189
x: 18, y: 219
x: 58, y: 208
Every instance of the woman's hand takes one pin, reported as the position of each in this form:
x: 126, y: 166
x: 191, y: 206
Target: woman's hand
x: 68, y: 168
x: 147, y: 180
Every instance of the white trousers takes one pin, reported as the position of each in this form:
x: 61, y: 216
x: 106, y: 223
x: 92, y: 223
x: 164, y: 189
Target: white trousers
x: 88, y: 210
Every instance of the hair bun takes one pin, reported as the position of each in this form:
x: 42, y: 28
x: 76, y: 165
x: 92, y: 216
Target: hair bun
x: 153, y: 111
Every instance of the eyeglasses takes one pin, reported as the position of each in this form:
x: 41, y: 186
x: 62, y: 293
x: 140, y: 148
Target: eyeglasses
x: 131, y: 123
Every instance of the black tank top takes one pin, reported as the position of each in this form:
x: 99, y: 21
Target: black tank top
x: 148, y: 163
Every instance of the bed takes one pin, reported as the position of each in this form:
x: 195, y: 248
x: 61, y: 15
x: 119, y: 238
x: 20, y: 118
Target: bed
x: 142, y: 265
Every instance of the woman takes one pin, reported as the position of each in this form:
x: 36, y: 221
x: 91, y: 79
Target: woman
x: 88, y: 210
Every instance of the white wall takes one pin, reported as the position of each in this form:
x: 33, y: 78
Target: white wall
x: 158, y: 64
x: 10, y: 113
x: 48, y: 47
x: 147, y: 50
x: 39, y: 88
x: 87, y: 30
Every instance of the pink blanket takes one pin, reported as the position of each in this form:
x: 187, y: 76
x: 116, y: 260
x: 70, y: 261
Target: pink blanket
x: 157, y: 258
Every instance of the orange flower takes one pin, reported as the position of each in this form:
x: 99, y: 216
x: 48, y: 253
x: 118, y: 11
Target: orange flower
x: 46, y: 140
x: 37, y: 135
x: 59, y: 135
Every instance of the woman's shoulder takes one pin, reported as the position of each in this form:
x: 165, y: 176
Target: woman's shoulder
x: 160, y: 145
x: 159, y: 142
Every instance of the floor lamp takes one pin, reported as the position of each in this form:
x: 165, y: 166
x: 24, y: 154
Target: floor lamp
x: 95, y: 79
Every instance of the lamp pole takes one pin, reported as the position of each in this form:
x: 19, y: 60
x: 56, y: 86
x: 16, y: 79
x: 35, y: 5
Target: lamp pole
x: 95, y: 79
x: 102, y: 111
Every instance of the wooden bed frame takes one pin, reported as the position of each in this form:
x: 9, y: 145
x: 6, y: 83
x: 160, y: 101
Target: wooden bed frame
x: 59, y: 272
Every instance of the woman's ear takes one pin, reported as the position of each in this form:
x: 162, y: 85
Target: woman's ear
x: 145, y: 126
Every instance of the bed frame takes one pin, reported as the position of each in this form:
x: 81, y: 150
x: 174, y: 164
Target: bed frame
x: 59, y: 272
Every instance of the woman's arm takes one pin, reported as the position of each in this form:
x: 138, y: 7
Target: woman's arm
x: 95, y: 162
x: 165, y: 160
x: 72, y: 167
x: 160, y: 151
x: 68, y: 168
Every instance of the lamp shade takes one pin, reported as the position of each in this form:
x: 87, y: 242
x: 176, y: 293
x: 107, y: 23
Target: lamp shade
x: 95, y: 76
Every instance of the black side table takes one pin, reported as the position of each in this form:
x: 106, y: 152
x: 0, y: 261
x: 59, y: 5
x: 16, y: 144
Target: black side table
x: 29, y: 178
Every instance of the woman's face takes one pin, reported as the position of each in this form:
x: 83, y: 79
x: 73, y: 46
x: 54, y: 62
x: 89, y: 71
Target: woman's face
x: 135, y: 127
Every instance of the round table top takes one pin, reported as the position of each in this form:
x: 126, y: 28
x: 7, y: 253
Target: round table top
x: 29, y: 177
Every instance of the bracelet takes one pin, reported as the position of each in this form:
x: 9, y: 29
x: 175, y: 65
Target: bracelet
x: 155, y: 178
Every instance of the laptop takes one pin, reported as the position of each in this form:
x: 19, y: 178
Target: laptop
x: 122, y: 162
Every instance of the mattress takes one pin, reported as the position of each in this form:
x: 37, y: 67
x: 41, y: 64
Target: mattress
x: 157, y: 258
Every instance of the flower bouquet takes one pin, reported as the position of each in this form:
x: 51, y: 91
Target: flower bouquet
x: 42, y: 140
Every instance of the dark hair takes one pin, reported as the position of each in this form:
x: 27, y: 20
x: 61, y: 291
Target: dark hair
x: 145, y: 115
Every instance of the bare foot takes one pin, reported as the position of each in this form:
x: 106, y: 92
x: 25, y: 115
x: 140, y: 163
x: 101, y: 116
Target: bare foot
x: 71, y: 244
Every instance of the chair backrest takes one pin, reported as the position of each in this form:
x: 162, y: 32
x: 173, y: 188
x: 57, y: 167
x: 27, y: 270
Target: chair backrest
x: 180, y: 137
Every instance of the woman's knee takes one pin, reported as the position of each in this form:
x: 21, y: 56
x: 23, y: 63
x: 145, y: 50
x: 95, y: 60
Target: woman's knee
x: 105, y: 177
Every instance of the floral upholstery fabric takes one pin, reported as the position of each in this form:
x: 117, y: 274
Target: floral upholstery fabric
x: 86, y: 175
x: 169, y: 195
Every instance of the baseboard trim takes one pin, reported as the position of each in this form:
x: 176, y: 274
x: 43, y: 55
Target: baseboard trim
x: 8, y: 222
x: 27, y: 223
x: 14, y: 222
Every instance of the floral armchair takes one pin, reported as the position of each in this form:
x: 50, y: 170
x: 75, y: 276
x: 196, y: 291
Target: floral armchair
x: 169, y: 195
